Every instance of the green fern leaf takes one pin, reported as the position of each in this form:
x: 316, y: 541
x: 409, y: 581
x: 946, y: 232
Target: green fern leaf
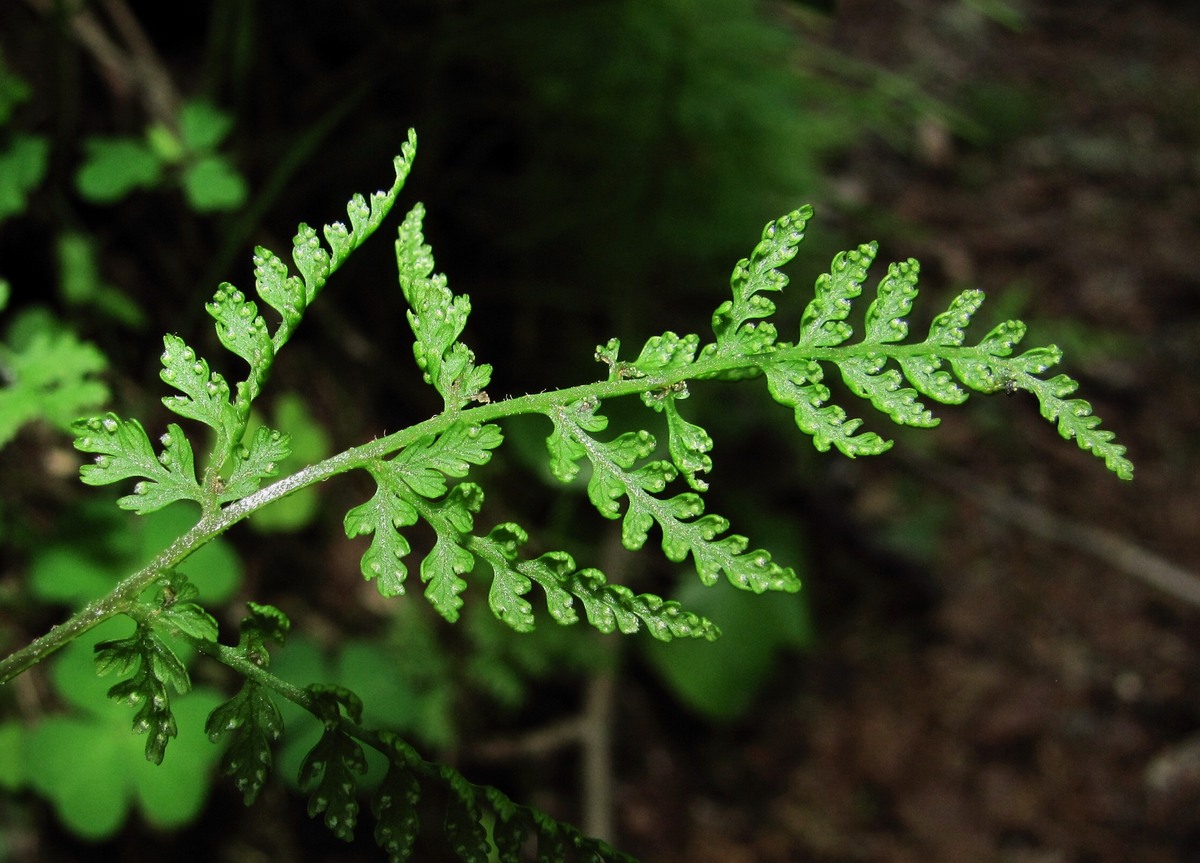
x: 824, y: 321
x: 280, y: 290
x: 688, y: 444
x: 660, y: 354
x: 253, y: 721
x: 243, y: 332
x: 437, y: 318
x: 381, y: 517
x: 254, y: 463
x: 153, y: 666
x: 425, y: 465
x: 394, y: 803
x: 499, y: 549
x: 403, y: 485
x: 264, y: 623
x: 925, y: 373
x: 732, y: 321
x: 312, y: 260
x: 327, y: 775
x: 463, y: 824
x: 178, y: 611
x: 328, y: 771
x: 797, y: 384
x: 205, y: 393
x: 885, y: 317
x: 949, y: 328
x: 867, y: 378
x: 608, y: 607
x: 566, y: 450
x: 1076, y: 420
x: 685, y: 530
x: 443, y: 568
x: 251, y: 718
x: 609, y: 482
x: 124, y: 452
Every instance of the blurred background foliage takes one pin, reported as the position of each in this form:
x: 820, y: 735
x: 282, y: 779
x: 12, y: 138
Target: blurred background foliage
x: 591, y: 169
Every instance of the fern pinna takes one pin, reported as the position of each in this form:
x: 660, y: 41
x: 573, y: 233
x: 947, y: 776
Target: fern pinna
x: 422, y: 474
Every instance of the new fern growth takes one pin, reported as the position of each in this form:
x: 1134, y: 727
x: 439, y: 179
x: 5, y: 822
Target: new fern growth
x: 422, y: 474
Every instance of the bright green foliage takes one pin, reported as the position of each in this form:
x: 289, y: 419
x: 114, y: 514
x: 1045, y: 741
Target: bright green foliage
x: 432, y: 471
x: 620, y: 469
x: 125, y: 451
x: 609, y: 607
x: 236, y: 467
x: 46, y: 373
x: 794, y: 371
x: 437, y: 318
x: 405, y: 486
x: 116, y: 166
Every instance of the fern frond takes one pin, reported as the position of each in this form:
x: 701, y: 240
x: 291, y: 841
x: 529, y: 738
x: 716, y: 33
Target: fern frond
x: 733, y: 320
x: 1076, y: 420
x: 153, y: 667
x: 609, y: 607
x: 893, y: 375
x: 328, y: 773
x: 824, y: 319
x: 235, y: 468
x: 406, y: 487
x: 621, y: 469
x: 251, y: 718
x: 123, y: 451
x: 254, y: 722
x: 437, y: 317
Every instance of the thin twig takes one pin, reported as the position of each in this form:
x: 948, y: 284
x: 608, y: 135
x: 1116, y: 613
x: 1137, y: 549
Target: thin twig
x: 597, y: 740
x: 159, y: 93
x: 540, y: 741
x: 1114, y: 550
x: 134, y: 68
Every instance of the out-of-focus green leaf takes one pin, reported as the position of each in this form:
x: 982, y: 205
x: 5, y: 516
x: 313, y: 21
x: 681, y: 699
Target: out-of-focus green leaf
x: 203, y: 126
x: 212, y: 183
x: 92, y: 769
x: 22, y: 167
x: 114, y: 167
x: 720, y: 679
x: 46, y: 373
